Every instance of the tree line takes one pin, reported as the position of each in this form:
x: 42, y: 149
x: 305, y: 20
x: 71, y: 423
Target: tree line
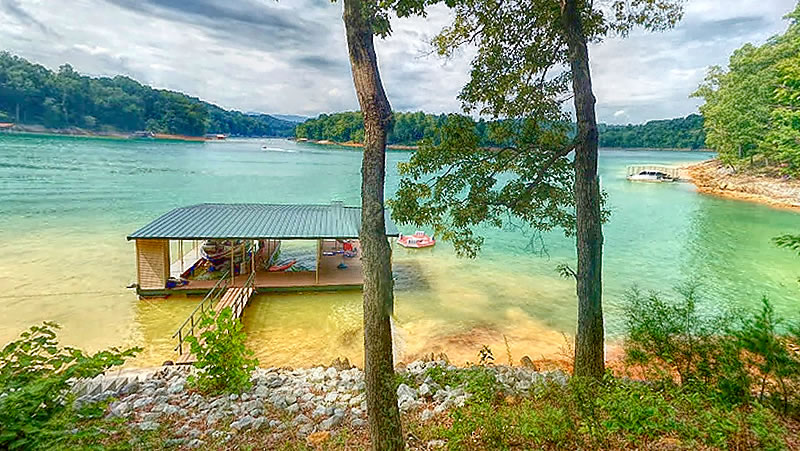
x: 410, y: 128
x: 752, y: 109
x: 32, y: 94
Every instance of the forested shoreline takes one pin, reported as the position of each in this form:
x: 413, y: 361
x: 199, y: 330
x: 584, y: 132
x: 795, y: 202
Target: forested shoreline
x: 412, y: 127
x: 31, y: 94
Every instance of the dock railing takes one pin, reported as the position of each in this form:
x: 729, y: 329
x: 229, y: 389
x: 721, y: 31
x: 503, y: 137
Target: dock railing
x: 243, y: 296
x: 207, y: 304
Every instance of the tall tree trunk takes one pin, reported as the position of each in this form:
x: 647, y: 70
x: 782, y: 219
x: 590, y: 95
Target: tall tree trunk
x: 589, y: 345
x: 383, y: 416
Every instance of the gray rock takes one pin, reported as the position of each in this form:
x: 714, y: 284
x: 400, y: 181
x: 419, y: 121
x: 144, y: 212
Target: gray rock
x: 242, y: 423
x: 142, y: 402
x: 404, y: 391
x: 331, y: 397
x: 305, y: 430
x: 356, y: 412
x: 233, y: 397
x: 244, y: 396
x: 262, y: 391
x: 300, y: 419
x: 173, y: 442
x: 175, y: 388
x: 148, y: 425
x: 293, y: 409
x: 331, y: 373
x: 169, y: 409
x: 358, y: 422
x: 213, y: 417
x: 151, y: 416
x: 258, y: 423
x: 320, y: 411
x: 426, y: 415
x: 425, y: 390
x: 331, y: 422
x: 130, y: 388
x: 119, y: 409
x: 196, y: 443
x: 193, y: 433
x: 433, y: 444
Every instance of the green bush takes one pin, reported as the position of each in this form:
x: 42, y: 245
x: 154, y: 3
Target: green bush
x: 224, y: 361
x: 730, y: 357
x: 36, y: 406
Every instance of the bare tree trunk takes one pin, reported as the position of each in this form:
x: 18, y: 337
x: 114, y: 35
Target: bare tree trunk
x: 589, y: 340
x: 384, y: 418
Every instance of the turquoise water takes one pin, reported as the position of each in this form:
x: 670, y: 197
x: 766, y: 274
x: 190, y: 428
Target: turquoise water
x: 68, y: 203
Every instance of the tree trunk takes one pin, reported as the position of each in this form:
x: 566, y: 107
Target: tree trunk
x: 383, y: 416
x: 589, y: 346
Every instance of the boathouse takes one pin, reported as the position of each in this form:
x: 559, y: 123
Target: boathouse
x: 254, y: 233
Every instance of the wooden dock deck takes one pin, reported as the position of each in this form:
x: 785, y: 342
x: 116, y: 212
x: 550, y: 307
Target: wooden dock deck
x: 236, y: 298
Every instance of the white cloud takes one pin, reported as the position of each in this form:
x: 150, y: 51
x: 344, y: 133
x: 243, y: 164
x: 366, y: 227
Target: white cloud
x: 290, y: 56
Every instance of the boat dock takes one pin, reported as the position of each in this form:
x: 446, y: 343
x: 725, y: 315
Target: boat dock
x: 672, y: 171
x: 247, y: 239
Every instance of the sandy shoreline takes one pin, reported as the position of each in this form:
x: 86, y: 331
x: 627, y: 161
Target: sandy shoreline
x: 712, y: 177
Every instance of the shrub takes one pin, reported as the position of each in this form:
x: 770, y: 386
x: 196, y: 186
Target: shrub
x: 730, y: 358
x: 36, y: 406
x: 224, y: 361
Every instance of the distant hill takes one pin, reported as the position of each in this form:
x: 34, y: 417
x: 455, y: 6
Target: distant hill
x: 32, y: 94
x: 291, y: 117
x: 680, y: 133
x: 410, y: 128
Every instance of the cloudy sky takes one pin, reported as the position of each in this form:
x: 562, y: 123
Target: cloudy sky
x: 290, y: 56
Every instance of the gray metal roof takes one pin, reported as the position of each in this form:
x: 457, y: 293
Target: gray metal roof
x: 253, y: 221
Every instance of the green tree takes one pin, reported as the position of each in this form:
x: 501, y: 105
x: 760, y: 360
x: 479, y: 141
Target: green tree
x: 516, y: 76
x: 750, y: 109
x: 362, y: 20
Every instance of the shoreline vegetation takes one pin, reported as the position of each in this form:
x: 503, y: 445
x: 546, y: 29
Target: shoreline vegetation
x: 715, y: 178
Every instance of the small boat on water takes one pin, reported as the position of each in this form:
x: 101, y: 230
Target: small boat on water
x: 651, y: 176
x: 416, y: 241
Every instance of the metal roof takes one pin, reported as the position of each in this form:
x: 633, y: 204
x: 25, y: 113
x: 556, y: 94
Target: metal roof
x: 254, y: 221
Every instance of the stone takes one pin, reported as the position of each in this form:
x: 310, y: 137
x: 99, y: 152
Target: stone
x: 196, y: 443
x: 242, y: 423
x: 119, y: 409
x: 213, y: 417
x: 356, y: 412
x: 193, y: 433
x: 173, y: 442
x: 293, y: 409
x: 130, y: 388
x: 169, y: 409
x: 425, y: 390
x: 331, y: 373
x: 358, y: 422
x: 433, y: 444
x: 261, y: 391
x: 244, y: 396
x: 175, y: 388
x: 300, y: 419
x: 142, y: 402
x: 404, y: 391
x: 320, y: 411
x: 332, y: 422
x: 426, y: 415
x: 330, y: 398
x: 233, y: 397
x: 258, y: 423
x: 151, y: 416
x: 148, y: 425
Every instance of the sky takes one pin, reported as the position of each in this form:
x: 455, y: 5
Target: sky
x: 290, y: 57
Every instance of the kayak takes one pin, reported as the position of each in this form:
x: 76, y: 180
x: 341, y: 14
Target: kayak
x: 282, y: 267
x: 416, y: 241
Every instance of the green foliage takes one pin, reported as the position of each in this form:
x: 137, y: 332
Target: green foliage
x: 729, y: 357
x: 36, y: 407
x: 680, y: 133
x: 410, y: 129
x: 751, y: 114
x: 67, y: 99
x: 224, y: 361
x: 611, y: 414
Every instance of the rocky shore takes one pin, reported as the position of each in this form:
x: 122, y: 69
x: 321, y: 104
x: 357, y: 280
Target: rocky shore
x: 311, y: 404
x: 713, y: 177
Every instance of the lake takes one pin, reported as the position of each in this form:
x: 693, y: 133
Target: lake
x: 68, y: 203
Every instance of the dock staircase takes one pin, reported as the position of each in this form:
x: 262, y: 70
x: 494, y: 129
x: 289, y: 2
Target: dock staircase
x: 222, y: 296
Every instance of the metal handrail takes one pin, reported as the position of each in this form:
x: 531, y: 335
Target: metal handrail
x: 212, y: 297
x: 243, y: 296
